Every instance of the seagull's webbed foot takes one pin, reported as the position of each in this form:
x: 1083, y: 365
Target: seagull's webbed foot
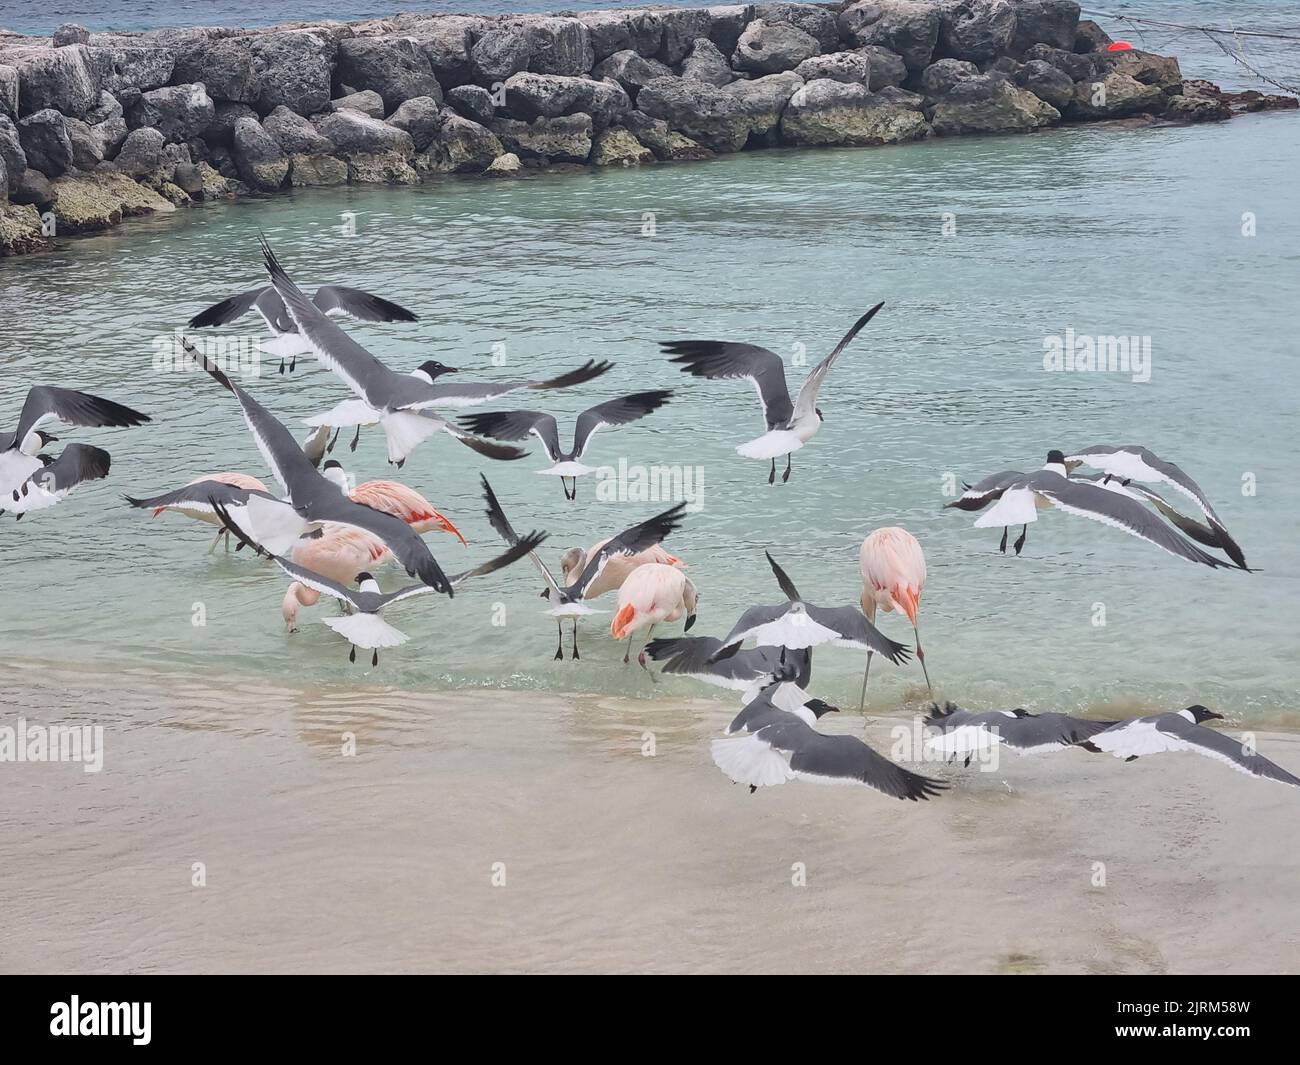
x: 786, y: 476
x: 1020, y: 540
x: 329, y: 448
x: 293, y: 364
x: 575, y: 638
x: 374, y: 658
x: 1003, y: 545
x: 559, y: 650
x: 753, y: 788
x: 356, y: 438
x: 352, y: 655
x: 771, y: 477
x: 282, y: 364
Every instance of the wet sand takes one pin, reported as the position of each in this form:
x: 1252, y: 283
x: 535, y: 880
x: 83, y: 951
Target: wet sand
x: 613, y: 861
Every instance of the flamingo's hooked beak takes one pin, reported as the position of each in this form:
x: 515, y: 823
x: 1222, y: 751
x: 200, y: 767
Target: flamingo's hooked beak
x: 690, y: 620
x: 445, y: 524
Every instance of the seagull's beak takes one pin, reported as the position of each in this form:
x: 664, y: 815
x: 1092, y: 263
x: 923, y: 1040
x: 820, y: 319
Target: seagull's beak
x: 690, y: 620
x: 1219, y: 717
x: 50, y: 438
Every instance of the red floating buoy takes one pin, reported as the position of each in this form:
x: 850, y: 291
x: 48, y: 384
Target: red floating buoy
x: 1120, y: 46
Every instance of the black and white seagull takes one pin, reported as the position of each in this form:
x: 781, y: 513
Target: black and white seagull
x: 767, y: 745
x: 1184, y: 730
x: 798, y: 624
x: 567, y: 600
x: 965, y: 733
x: 521, y: 424
x: 314, y: 499
x: 1016, y: 500
x: 19, y: 450
x: 288, y: 343
x: 398, y: 402
x: 364, y: 626
x: 1133, y: 462
x: 790, y: 425
x: 747, y: 671
x: 57, y: 477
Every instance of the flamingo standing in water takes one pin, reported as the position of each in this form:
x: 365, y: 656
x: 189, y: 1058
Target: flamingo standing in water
x: 893, y: 578
x: 200, y: 509
x: 651, y: 594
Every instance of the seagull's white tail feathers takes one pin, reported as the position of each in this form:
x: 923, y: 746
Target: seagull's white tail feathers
x: 272, y: 525
x: 771, y: 445
x: 346, y: 414
x: 568, y: 469
x: 285, y: 346
x: 1019, y: 506
x: 964, y: 739
x: 406, y: 432
x: 748, y: 760
x: 366, y: 630
x: 795, y: 631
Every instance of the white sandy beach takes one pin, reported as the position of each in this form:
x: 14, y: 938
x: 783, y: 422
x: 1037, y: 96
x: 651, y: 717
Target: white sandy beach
x: 613, y: 861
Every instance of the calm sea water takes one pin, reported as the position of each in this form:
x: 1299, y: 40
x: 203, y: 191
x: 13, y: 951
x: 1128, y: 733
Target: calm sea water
x: 1103, y: 231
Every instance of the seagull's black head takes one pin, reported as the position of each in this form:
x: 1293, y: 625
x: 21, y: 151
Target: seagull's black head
x: 1200, y: 713
x: 332, y: 464
x: 363, y: 577
x: 1056, y: 458
x: 819, y: 707
x: 433, y: 368
x: 46, y: 438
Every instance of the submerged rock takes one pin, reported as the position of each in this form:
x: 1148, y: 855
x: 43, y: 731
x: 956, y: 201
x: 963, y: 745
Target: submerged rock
x: 507, y: 164
x: 20, y: 229
x: 618, y: 147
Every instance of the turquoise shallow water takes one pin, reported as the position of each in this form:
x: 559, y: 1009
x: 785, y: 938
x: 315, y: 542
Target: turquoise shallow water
x: 1105, y: 231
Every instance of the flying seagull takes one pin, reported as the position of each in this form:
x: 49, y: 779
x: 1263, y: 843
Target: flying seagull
x: 314, y: 499
x: 1183, y: 730
x: 746, y: 671
x: 778, y: 746
x: 567, y: 600
x: 1018, y: 500
x: 1135, y: 463
x: 520, y: 424
x: 798, y: 624
x: 365, y: 627
x: 790, y: 425
x: 396, y: 401
x: 57, y: 477
x: 288, y: 342
x: 966, y: 732
x: 20, y: 448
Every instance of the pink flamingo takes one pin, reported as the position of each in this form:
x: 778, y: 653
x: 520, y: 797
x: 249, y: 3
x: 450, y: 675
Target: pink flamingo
x: 893, y: 578
x: 616, y: 570
x: 338, y: 553
x: 405, y: 503
x: 651, y: 594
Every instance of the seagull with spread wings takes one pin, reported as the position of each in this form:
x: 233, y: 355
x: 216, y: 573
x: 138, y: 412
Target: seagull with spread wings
x: 57, y: 477
x: 287, y: 342
x: 1019, y: 498
x: 567, y: 599
x: 961, y: 733
x: 521, y: 424
x: 20, y: 449
x: 790, y: 424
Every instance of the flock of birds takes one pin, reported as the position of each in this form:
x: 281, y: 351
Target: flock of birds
x: 328, y: 537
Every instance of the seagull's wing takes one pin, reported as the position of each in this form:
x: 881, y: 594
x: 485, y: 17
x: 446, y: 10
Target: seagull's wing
x: 856, y: 631
x: 516, y: 425
x: 526, y: 546
x: 806, y: 404
x: 628, y: 542
x: 199, y: 497
x: 718, y: 359
x: 76, y: 464
x: 753, y: 619
x: 1222, y: 747
x: 227, y: 310
x: 501, y: 525
x: 274, y: 441
x: 783, y: 579
x: 618, y: 411
x: 364, y: 306
x: 44, y: 402
x: 1120, y: 512
x: 839, y: 759
x: 980, y: 494
x: 336, y: 351
x: 469, y: 394
x: 407, y: 546
x: 1022, y: 731
x: 1201, y: 532
x: 1118, y: 462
